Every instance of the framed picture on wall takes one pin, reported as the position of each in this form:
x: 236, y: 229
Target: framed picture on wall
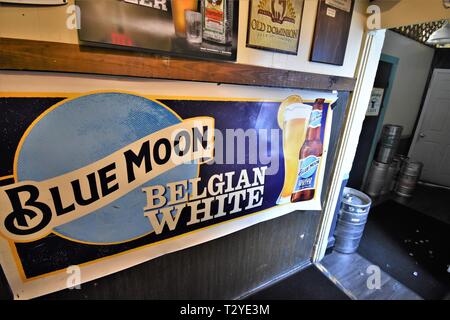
x: 192, y: 28
x: 376, y: 99
x: 331, y: 31
x: 274, y: 25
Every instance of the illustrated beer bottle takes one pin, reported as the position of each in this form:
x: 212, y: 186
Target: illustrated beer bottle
x: 217, y: 20
x: 309, y: 156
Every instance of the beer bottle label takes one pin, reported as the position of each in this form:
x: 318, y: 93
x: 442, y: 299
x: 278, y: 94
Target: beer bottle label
x: 315, y: 119
x: 307, y: 172
x: 214, y: 17
x: 217, y: 16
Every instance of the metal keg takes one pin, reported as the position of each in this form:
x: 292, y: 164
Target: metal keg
x: 376, y: 178
x: 392, y: 173
x: 390, y: 138
x: 352, y: 219
x: 391, y: 134
x: 407, y: 181
x: 402, y: 160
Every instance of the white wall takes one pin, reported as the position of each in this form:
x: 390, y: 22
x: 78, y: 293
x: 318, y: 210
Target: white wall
x: 412, y: 74
x: 48, y: 24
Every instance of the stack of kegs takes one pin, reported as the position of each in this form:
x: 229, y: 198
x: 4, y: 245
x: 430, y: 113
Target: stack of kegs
x: 352, y: 219
x: 385, y: 167
x: 390, y: 138
x: 408, y: 178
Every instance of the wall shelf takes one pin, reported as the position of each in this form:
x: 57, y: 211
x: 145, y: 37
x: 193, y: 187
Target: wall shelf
x: 30, y: 55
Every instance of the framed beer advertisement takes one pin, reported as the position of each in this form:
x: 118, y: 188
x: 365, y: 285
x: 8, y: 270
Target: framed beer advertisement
x: 274, y: 25
x: 192, y: 28
x: 94, y: 182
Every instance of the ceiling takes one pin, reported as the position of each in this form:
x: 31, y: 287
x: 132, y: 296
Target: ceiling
x: 420, y: 32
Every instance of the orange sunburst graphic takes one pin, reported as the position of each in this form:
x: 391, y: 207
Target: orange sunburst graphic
x: 278, y: 10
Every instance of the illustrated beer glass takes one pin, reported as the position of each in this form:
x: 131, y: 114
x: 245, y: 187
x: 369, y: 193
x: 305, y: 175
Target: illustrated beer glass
x: 294, y: 117
x: 178, y: 16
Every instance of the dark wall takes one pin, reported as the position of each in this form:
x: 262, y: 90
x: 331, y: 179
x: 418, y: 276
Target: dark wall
x: 404, y: 144
x: 441, y: 59
x: 225, y: 268
x: 369, y: 129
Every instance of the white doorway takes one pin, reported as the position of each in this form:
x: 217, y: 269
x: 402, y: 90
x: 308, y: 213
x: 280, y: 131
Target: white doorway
x: 431, y: 142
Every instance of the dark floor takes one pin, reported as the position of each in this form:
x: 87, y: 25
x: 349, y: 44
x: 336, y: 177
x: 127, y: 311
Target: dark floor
x: 409, y: 239
x: 308, y: 284
x: 412, y: 247
x: 428, y: 200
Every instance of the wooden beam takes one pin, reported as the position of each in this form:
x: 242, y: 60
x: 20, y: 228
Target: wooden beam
x: 18, y: 54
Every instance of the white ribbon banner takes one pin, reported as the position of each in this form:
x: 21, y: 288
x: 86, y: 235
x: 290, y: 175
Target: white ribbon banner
x: 29, y: 210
